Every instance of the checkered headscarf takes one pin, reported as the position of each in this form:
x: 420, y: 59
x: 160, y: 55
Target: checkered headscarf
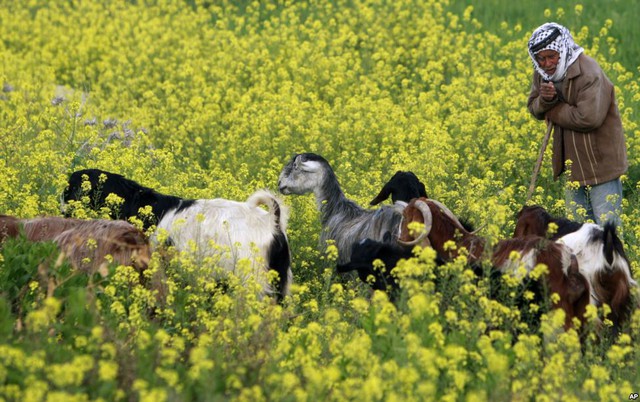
x: 552, y: 36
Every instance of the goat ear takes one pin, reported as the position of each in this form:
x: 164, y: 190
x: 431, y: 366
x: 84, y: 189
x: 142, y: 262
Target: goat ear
x: 577, y: 287
x: 297, y: 161
x: 422, y: 190
x: 133, y: 238
x: 383, y: 195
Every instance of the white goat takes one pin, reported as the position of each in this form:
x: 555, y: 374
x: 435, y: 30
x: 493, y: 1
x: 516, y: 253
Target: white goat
x: 234, y: 231
x: 342, y: 219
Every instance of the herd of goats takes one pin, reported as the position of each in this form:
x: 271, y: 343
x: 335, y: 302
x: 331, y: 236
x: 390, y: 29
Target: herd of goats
x: 586, y: 263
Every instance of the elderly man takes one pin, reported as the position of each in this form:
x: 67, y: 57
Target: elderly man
x: 571, y: 91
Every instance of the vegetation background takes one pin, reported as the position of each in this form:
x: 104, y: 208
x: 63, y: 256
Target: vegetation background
x: 530, y: 14
x: 210, y: 99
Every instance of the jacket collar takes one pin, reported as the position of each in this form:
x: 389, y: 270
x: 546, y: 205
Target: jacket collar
x: 574, y: 69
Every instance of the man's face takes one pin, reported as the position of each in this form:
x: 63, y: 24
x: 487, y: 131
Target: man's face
x: 548, y: 60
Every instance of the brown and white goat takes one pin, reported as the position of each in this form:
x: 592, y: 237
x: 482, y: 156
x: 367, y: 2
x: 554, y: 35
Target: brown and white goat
x: 600, y: 254
x: 86, y: 243
x: 563, y: 276
x: 442, y: 226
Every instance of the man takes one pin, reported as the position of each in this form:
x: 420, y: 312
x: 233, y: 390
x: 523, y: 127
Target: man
x: 571, y: 91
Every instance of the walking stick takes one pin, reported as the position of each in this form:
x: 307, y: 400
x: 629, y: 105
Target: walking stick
x: 536, y: 169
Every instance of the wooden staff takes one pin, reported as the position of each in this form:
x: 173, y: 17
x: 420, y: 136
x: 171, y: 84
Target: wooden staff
x: 536, y: 169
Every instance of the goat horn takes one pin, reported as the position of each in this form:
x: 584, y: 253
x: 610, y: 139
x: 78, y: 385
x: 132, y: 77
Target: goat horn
x: 475, y: 232
x: 428, y: 223
x: 447, y: 211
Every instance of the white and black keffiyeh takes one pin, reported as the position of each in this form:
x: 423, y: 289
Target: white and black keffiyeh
x: 552, y: 36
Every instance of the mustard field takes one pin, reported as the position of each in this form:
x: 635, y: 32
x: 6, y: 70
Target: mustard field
x: 210, y: 99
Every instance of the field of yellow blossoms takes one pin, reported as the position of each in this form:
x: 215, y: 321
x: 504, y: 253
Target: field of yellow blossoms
x: 209, y: 99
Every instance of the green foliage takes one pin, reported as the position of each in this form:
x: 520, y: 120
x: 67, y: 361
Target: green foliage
x: 24, y: 275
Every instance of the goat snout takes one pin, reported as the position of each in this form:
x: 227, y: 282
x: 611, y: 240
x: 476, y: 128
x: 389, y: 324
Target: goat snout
x: 283, y: 189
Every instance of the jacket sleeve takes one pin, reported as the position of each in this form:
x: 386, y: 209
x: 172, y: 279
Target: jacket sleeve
x: 537, y: 106
x: 593, y: 100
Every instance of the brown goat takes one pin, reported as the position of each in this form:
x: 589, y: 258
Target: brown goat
x: 441, y: 226
x: 86, y: 243
x: 535, y: 220
x: 9, y: 227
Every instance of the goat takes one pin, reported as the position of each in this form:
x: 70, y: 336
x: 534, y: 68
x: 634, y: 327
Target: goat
x: 364, y: 253
x: 134, y: 195
x: 563, y: 277
x: 9, y: 227
x: 122, y: 241
x: 600, y: 255
x: 403, y: 186
x: 342, y: 219
x: 603, y: 261
x: 243, y: 230
x: 442, y: 226
x: 225, y: 222
x: 535, y: 220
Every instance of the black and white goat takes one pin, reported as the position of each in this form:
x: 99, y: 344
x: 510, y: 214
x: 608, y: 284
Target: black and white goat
x: 600, y: 255
x: 342, y: 219
x: 403, y: 186
x: 234, y: 231
x: 231, y: 229
x: 135, y: 196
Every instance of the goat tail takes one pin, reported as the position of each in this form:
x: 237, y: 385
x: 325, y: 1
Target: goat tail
x: 277, y: 208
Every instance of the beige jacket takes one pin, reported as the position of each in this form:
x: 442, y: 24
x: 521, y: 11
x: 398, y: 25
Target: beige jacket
x: 587, y: 126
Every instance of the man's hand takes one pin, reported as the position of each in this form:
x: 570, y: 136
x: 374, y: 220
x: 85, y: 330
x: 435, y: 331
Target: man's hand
x: 547, y: 91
